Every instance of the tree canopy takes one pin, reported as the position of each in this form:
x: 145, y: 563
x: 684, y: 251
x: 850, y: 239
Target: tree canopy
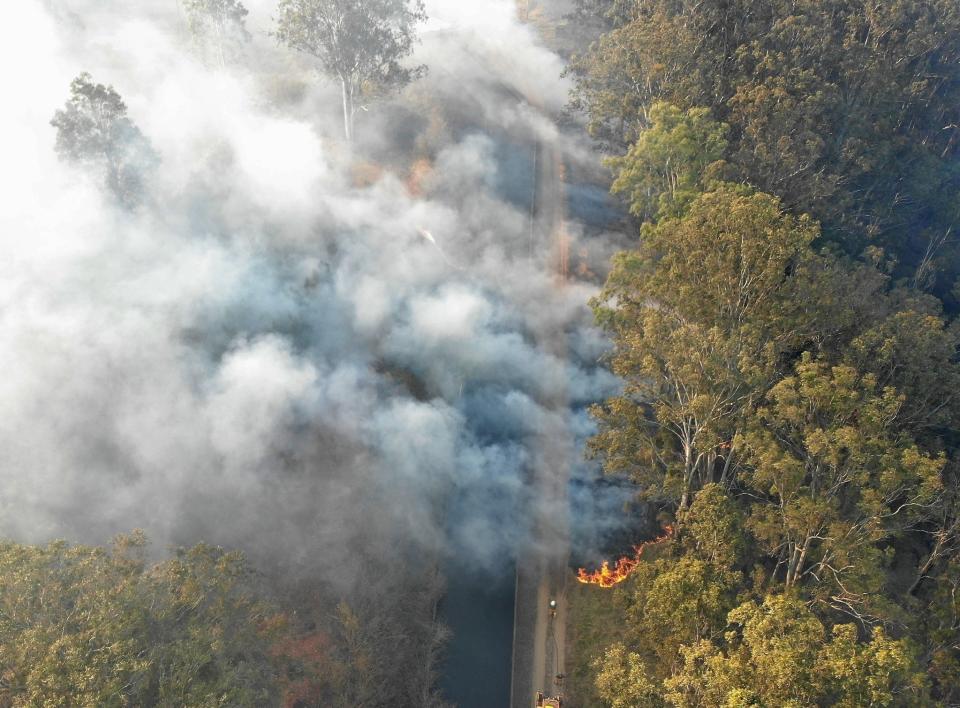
x: 360, y: 44
x: 793, y: 409
x: 94, y: 131
x: 218, y: 27
x: 848, y: 111
x: 88, y: 626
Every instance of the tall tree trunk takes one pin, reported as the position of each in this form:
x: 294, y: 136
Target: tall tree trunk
x: 688, y: 471
x: 794, y: 554
x: 796, y: 565
x: 218, y: 40
x: 922, y: 571
x: 353, y: 110
x: 728, y: 460
x: 347, y: 89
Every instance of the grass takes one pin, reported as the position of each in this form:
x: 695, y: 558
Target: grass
x: 595, y: 622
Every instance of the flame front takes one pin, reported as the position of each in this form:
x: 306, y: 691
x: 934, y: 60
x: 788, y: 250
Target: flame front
x: 607, y: 577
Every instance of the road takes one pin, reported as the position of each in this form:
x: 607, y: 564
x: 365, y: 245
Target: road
x: 539, y: 631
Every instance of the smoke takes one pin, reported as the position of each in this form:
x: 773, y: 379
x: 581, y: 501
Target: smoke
x: 268, y: 354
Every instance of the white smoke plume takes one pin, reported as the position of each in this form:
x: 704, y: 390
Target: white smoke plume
x: 265, y: 354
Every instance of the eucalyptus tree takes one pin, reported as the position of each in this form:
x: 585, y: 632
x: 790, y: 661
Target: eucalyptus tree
x: 779, y: 653
x: 672, y: 162
x: 846, y: 110
x: 835, y: 479
x: 90, y: 626
x: 217, y: 26
x: 94, y: 131
x: 702, y: 313
x: 359, y: 43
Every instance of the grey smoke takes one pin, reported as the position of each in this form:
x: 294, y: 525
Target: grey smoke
x: 265, y: 355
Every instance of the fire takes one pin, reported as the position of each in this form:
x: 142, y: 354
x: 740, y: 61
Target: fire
x: 609, y: 576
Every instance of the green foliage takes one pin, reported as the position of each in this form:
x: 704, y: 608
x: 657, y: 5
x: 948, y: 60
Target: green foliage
x: 360, y: 44
x: 941, y: 622
x: 779, y: 653
x: 622, y: 680
x: 607, y: 13
x: 848, y: 111
x: 218, y: 27
x: 669, y: 604
x: 677, y: 603
x: 95, y: 627
x: 93, y: 131
x: 715, y: 528
x: 839, y: 478
x: 774, y: 653
x: 912, y: 350
x: 596, y: 624
x: 84, y: 626
x: 796, y: 412
x: 672, y: 161
x: 702, y: 315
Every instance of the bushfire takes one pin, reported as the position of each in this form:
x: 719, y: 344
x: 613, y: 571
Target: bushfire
x: 609, y: 576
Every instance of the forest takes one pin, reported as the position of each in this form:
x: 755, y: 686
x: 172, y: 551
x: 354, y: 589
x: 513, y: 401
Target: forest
x: 785, y: 326
x: 284, y: 293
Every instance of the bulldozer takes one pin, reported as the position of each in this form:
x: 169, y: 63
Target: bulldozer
x: 545, y: 702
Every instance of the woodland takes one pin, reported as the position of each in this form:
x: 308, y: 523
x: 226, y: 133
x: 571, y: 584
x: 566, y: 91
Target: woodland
x: 783, y: 320
x: 786, y: 330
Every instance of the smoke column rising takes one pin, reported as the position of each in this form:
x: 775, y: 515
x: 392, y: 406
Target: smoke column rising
x: 266, y: 355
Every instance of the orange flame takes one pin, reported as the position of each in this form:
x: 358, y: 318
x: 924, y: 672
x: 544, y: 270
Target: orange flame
x: 608, y: 576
